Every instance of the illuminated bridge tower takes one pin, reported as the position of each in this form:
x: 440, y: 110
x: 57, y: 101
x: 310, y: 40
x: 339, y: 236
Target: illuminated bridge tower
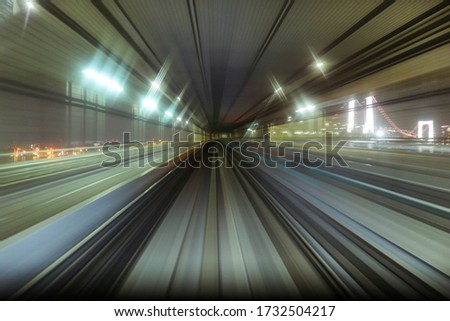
x: 369, y: 124
x: 429, y: 125
x: 351, y: 116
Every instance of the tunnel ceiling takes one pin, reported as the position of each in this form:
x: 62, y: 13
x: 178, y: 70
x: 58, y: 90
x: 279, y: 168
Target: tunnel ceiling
x: 227, y: 58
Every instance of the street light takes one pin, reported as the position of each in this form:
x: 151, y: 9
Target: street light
x: 303, y: 109
x: 103, y: 80
x: 150, y: 104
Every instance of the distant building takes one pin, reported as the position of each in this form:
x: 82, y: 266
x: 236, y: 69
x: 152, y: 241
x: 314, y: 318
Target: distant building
x: 445, y: 131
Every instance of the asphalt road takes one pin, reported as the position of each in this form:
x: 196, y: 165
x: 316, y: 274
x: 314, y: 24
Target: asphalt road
x: 377, y: 229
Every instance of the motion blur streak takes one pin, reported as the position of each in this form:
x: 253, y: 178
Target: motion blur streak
x: 222, y: 232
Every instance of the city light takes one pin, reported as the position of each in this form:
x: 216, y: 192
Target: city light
x: 278, y: 89
x: 149, y: 104
x: 103, y: 80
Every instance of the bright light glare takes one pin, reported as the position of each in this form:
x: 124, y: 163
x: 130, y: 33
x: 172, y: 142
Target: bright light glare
x: 303, y: 109
x: 380, y: 133
x: 149, y: 104
x: 319, y: 64
x: 103, y: 80
x: 89, y: 73
x: 278, y: 89
x: 30, y: 4
x: 187, y: 122
x: 155, y: 85
x: 168, y: 114
x: 179, y: 118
